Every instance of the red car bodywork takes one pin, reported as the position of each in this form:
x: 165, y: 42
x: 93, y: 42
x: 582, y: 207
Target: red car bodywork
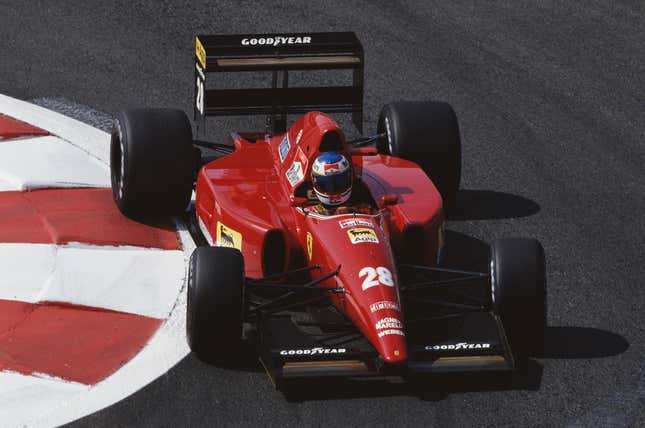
x: 245, y: 196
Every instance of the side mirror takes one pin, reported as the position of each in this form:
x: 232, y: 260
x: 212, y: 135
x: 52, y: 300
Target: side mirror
x: 389, y: 199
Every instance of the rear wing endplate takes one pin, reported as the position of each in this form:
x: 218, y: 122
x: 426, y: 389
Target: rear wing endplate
x: 278, y: 53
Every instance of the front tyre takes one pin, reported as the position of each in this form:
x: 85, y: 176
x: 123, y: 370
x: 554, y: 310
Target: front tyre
x: 518, y: 293
x: 215, y: 306
x: 152, y: 162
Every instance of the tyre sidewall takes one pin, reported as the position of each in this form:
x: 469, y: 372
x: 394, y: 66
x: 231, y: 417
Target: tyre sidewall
x: 215, y: 303
x: 518, y: 292
x: 152, y: 162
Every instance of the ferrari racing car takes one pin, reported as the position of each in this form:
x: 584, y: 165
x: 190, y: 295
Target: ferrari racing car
x: 325, y: 252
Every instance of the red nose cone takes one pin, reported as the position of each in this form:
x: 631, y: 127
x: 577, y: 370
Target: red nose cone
x: 360, y: 245
x: 390, y: 338
x: 395, y: 354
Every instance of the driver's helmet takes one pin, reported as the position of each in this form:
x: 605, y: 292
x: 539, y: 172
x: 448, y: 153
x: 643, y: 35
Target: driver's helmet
x: 331, y: 175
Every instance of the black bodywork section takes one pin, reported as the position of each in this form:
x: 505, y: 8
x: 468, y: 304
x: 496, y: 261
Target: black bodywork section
x: 323, y: 51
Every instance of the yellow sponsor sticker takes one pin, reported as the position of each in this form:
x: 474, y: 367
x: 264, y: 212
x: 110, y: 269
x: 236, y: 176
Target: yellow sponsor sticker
x: 310, y: 245
x: 362, y: 234
x: 200, y: 52
x: 227, y: 237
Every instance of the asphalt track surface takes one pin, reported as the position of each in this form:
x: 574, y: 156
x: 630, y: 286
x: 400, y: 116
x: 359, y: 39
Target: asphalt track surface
x: 551, y: 102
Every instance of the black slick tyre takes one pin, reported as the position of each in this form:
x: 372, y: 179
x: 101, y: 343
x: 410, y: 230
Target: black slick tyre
x: 427, y: 133
x: 518, y: 293
x: 152, y: 162
x: 215, y: 306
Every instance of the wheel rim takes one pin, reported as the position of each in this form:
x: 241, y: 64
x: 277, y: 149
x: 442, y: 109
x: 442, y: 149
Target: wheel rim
x: 492, y: 281
x: 388, y: 134
x: 117, y: 160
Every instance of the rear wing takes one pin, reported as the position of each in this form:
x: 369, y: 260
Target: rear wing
x: 278, y: 53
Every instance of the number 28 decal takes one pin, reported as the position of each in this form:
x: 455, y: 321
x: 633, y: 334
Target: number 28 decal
x: 373, y: 277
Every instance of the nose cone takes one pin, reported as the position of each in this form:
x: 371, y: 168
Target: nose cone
x: 390, y: 338
x: 360, y: 245
x: 394, y: 354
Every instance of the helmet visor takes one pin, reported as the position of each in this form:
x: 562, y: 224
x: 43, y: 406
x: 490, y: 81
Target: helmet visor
x: 333, y: 184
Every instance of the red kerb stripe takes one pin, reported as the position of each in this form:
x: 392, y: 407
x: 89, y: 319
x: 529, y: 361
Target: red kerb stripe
x: 74, y: 343
x: 89, y: 216
x: 12, y: 128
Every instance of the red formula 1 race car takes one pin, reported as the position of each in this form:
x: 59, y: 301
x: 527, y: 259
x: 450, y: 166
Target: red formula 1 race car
x: 326, y: 253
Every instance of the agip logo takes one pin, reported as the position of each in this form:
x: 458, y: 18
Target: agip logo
x: 362, y: 234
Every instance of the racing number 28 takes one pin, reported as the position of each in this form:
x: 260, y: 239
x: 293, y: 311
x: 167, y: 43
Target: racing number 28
x: 380, y: 275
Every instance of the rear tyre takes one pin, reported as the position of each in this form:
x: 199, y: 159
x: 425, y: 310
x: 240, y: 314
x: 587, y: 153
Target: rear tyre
x: 427, y: 133
x: 518, y: 293
x: 152, y: 162
x: 215, y: 307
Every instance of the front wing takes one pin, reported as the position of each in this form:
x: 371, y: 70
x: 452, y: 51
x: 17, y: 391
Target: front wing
x: 474, y: 342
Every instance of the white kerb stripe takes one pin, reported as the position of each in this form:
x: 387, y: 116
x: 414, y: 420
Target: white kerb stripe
x: 41, y: 162
x: 87, y: 138
x: 140, y: 281
x: 31, y: 395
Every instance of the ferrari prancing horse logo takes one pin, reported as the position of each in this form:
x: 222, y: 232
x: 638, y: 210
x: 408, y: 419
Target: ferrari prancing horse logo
x: 310, y: 245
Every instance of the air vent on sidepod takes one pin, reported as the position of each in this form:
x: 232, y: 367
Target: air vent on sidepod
x: 274, y: 252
